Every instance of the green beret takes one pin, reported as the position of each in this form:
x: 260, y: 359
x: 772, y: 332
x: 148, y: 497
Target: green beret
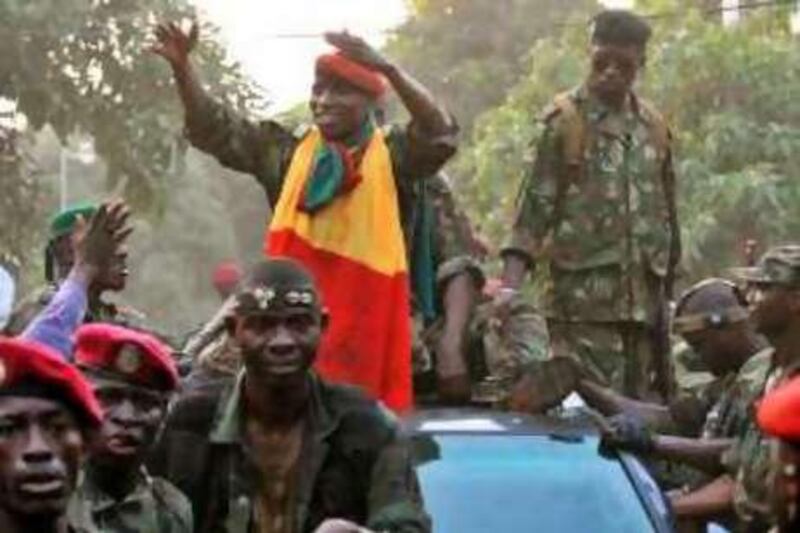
x: 63, y: 222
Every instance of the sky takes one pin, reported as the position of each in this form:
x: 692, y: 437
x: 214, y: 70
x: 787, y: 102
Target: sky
x: 275, y: 43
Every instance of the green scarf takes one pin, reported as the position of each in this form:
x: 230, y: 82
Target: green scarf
x: 335, y: 170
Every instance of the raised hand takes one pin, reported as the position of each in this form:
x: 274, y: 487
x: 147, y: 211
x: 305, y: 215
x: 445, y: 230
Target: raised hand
x: 358, y: 50
x: 100, y: 241
x: 627, y: 432
x: 173, y: 44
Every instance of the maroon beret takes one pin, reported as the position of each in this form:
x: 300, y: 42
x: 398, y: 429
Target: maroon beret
x: 127, y: 355
x: 779, y: 412
x: 342, y: 67
x: 32, y: 369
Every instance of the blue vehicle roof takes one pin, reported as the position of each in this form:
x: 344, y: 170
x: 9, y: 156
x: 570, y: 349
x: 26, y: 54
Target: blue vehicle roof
x: 500, y: 472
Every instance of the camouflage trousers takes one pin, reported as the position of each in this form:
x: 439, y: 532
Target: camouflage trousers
x: 622, y: 354
x: 497, y: 346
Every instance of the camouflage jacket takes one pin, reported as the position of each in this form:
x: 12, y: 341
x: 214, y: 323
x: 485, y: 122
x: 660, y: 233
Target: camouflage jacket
x: 691, y: 375
x: 602, y: 219
x: 154, y: 506
x: 353, y: 463
x: 265, y: 149
x: 749, y: 459
x: 33, y: 304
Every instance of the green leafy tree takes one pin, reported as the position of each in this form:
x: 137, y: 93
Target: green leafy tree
x: 470, y: 52
x: 732, y: 96
x: 83, y: 66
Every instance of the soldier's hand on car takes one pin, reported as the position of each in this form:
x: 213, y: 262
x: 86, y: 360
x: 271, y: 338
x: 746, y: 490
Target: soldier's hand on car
x: 174, y: 44
x: 544, y: 385
x: 627, y: 432
x: 97, y: 242
x: 338, y: 525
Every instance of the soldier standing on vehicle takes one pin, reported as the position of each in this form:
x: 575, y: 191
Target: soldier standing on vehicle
x: 336, y: 190
x: 596, y: 212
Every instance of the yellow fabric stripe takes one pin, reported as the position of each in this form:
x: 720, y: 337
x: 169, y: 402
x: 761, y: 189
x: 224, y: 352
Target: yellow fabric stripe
x: 362, y: 225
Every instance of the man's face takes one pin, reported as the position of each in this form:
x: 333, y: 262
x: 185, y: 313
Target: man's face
x: 338, y: 107
x: 770, y: 308
x: 113, y: 278
x: 720, y: 348
x: 613, y: 70
x: 279, y: 347
x: 132, y: 418
x: 41, y: 447
x: 63, y: 256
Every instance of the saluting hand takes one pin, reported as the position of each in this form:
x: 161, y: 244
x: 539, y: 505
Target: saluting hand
x: 358, y: 50
x: 174, y: 44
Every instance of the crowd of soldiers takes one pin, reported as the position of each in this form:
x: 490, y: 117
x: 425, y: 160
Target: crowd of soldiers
x: 259, y: 421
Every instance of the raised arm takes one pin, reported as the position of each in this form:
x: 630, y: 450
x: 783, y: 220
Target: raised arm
x: 95, y: 245
x: 238, y: 143
x: 433, y: 131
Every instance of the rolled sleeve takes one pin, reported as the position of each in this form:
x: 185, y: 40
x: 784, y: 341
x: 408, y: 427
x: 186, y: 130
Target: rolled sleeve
x: 421, y: 152
x: 262, y: 149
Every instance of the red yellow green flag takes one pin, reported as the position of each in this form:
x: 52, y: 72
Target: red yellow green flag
x: 355, y: 249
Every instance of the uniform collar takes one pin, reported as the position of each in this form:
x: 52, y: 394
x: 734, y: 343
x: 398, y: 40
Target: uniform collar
x: 99, y: 501
x: 228, y: 427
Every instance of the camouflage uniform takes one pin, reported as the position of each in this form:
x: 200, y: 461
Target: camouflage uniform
x: 749, y: 462
x: 597, y: 210
x: 495, y: 348
x: 154, y: 506
x: 32, y: 305
x: 691, y: 375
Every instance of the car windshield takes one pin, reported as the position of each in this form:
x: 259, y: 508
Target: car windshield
x: 521, y: 483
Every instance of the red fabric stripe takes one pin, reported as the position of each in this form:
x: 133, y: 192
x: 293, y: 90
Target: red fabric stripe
x: 368, y: 340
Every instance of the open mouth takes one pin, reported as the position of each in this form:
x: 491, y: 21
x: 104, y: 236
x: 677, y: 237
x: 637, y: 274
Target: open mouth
x: 124, y: 443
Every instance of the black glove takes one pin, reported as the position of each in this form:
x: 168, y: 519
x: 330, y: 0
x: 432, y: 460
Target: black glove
x: 627, y: 432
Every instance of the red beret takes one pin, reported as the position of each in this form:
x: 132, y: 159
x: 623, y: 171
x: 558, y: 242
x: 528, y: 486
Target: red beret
x: 32, y: 369
x: 779, y: 412
x: 126, y: 354
x: 366, y: 79
x: 226, y: 273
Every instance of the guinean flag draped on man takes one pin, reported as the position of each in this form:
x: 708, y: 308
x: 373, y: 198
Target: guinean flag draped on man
x: 354, y: 247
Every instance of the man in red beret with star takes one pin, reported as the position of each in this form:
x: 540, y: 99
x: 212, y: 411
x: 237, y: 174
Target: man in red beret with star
x: 133, y: 376
x: 342, y: 194
x: 48, y: 413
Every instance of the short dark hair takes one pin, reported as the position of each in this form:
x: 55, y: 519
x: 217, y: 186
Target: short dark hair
x: 620, y: 27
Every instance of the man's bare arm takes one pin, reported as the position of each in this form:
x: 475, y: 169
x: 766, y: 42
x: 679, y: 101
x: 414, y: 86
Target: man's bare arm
x: 709, y: 501
x: 704, y: 454
x: 657, y: 417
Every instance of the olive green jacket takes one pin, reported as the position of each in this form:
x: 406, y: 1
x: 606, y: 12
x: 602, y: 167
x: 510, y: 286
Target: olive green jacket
x: 353, y: 462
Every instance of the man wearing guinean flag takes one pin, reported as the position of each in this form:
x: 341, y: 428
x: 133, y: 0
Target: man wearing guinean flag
x: 341, y: 192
